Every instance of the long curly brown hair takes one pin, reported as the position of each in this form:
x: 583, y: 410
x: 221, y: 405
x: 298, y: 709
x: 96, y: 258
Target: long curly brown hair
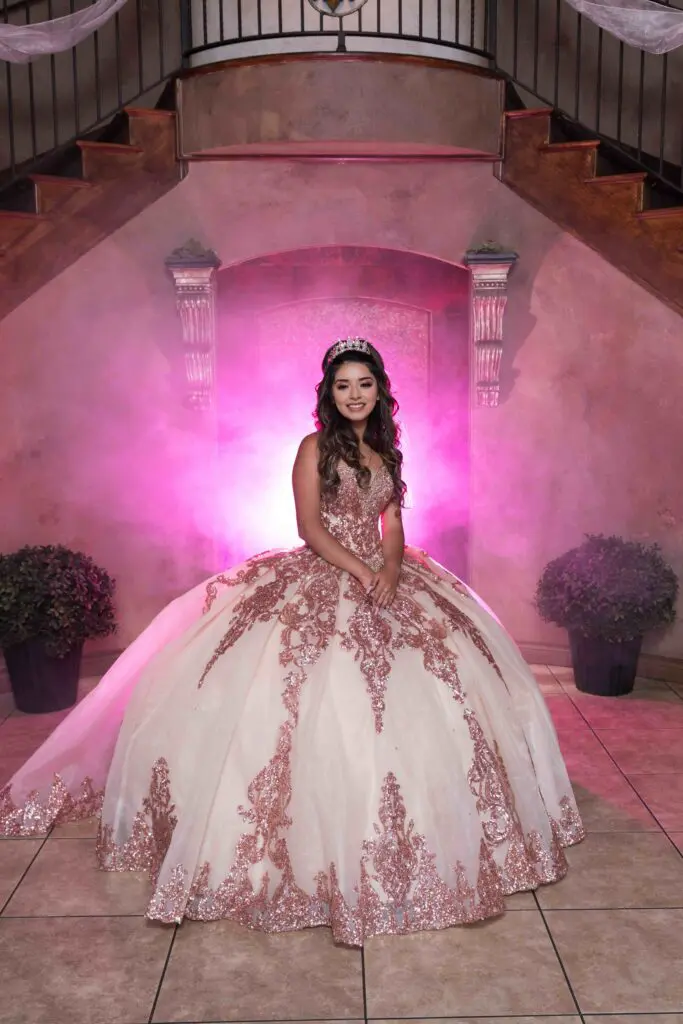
x: 337, y: 439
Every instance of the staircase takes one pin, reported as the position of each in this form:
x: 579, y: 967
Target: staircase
x: 48, y: 220
x: 625, y: 216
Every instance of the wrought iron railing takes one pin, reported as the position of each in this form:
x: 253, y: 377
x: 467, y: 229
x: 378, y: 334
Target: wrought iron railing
x: 48, y: 103
x: 409, y: 26
x: 600, y: 87
x: 549, y: 54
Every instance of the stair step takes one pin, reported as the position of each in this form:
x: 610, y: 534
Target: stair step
x: 14, y: 224
x: 103, y: 161
x: 149, y: 112
x: 635, y: 178
x: 518, y: 115
x: 51, y: 190
x: 662, y: 213
x: 568, y: 147
x: 154, y: 131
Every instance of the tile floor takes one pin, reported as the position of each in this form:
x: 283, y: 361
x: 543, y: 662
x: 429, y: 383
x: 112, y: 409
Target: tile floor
x: 605, y: 944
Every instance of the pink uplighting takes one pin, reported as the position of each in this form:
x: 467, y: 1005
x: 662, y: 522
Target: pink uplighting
x: 269, y: 364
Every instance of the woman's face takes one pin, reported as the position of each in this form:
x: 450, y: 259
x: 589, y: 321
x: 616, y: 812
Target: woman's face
x: 354, y: 391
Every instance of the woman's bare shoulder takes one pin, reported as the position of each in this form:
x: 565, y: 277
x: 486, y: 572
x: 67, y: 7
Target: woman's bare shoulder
x: 309, y: 445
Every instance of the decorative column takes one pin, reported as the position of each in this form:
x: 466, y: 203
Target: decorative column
x: 490, y: 266
x: 193, y: 269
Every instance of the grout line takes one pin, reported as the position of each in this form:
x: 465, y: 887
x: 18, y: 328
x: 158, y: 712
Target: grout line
x: 611, y: 757
x: 557, y: 954
x: 364, y: 983
x: 5, y: 905
x: 163, y: 975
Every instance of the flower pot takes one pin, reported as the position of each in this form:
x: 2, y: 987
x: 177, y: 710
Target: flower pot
x: 602, y: 668
x: 41, y: 682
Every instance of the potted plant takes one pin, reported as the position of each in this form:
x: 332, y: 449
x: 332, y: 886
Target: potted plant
x: 51, y: 601
x: 607, y: 594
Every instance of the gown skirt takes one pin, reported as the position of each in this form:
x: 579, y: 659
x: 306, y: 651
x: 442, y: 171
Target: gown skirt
x: 275, y: 750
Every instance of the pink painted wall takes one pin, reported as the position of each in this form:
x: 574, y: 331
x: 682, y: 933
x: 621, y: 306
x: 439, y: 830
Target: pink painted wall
x: 96, y: 449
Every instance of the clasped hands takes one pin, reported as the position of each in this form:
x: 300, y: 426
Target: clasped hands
x: 381, y: 586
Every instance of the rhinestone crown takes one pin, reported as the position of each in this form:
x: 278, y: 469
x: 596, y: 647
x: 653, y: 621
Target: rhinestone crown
x: 348, y: 345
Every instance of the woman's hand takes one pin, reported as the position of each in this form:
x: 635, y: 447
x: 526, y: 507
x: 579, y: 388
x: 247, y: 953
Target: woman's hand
x: 368, y: 580
x: 386, y: 584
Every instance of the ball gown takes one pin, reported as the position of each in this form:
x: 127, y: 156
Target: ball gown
x: 276, y: 750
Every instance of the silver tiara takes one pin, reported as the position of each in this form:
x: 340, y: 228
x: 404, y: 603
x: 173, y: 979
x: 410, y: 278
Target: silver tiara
x: 348, y: 345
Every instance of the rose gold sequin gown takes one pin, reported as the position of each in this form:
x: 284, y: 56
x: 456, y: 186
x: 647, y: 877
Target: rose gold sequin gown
x: 275, y: 750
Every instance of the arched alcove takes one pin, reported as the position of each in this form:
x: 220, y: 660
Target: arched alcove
x: 276, y: 315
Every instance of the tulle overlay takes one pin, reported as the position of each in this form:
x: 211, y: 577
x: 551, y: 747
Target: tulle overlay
x: 275, y: 750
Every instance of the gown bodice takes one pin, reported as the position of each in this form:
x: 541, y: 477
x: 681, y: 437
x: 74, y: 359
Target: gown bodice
x: 352, y: 514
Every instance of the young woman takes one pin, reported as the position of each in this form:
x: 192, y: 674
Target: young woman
x: 338, y: 735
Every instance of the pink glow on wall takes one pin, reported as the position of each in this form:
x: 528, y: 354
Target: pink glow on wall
x: 266, y: 398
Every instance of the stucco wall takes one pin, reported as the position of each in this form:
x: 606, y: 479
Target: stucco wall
x: 97, y: 450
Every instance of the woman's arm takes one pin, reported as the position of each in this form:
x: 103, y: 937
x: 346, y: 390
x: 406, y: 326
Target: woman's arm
x: 393, y: 538
x: 393, y: 545
x: 306, y: 483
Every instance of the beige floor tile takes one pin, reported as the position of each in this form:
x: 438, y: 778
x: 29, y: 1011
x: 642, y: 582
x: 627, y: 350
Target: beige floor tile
x: 615, y: 869
x: 657, y: 710
x: 20, y: 736
x: 563, y: 709
x: 520, y: 901
x: 636, y: 753
x: 93, y: 970
x: 220, y: 971
x: 663, y: 794
x: 488, y: 1020
x: 583, y: 753
x: 546, y: 680
x: 608, y: 803
x: 64, y: 880
x: 476, y: 970
x: 677, y: 839
x: 632, y: 1018
x: 15, y: 857
x: 6, y: 705
x: 621, y: 961
x: 86, y: 829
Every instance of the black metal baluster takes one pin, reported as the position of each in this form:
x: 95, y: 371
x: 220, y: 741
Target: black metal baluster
x: 577, y: 73
x: 473, y: 25
x: 279, y: 16
x: 662, y: 114
x: 400, y: 17
x: 598, y: 82
x: 160, y: 36
x: 556, y: 46
x: 259, y: 18
x: 491, y: 31
x: 141, y: 56
x: 221, y: 20
x: 457, y: 20
x: 515, y: 39
x: 185, y: 29
x: 31, y: 93
x: 537, y: 29
x: 205, y: 23
x: 10, y: 104
x: 620, y: 91
x: 420, y: 17
x: 641, y: 97
x: 98, y: 83
x: 240, y: 20
x: 53, y: 85
x: 74, y: 73
x: 117, y: 47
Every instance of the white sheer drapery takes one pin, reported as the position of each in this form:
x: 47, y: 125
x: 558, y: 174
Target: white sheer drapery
x: 641, y: 23
x: 647, y: 26
x: 20, y: 44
